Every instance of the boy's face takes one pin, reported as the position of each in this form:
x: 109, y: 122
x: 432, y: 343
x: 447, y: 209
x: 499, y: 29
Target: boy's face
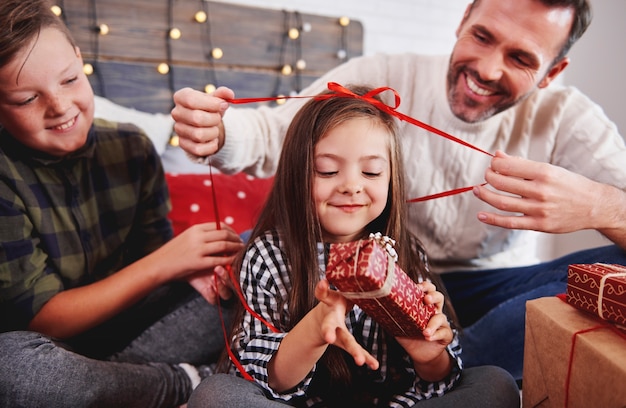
x: 46, y: 101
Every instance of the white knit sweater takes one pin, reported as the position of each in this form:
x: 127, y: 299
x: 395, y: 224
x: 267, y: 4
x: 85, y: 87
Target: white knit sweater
x: 558, y: 125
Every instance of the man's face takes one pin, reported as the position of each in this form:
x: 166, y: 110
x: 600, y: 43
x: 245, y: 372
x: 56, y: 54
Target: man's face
x: 505, y: 49
x: 46, y: 101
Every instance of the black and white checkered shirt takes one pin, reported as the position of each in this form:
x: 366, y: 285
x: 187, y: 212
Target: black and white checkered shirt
x: 264, y: 279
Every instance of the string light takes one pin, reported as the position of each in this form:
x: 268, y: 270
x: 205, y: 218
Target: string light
x: 301, y: 64
x: 209, y: 52
x: 88, y: 69
x: 294, y: 33
x: 97, y: 31
x: 342, y: 53
x: 174, y: 140
x: 200, y: 16
x: 56, y: 10
x: 175, y: 33
x: 217, y: 53
x: 163, y: 68
x: 103, y: 29
x: 286, y: 70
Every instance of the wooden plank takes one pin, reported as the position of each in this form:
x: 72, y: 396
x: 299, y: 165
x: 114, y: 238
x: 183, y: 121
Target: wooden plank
x: 250, y: 37
x: 253, y: 41
x: 140, y: 86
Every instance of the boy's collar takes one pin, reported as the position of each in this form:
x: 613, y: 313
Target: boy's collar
x: 14, y: 148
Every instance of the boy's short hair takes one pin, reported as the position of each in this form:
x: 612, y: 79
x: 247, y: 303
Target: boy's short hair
x: 23, y: 20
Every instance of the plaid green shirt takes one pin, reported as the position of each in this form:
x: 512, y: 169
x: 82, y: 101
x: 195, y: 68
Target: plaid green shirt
x: 68, y: 222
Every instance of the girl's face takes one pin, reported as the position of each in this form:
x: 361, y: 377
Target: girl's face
x: 351, y: 181
x: 46, y: 101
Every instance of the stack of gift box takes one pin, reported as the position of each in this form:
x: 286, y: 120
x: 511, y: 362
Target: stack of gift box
x: 575, y: 347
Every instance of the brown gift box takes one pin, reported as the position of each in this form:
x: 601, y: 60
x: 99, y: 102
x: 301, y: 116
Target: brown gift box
x: 376, y: 283
x: 598, y: 288
x: 598, y: 372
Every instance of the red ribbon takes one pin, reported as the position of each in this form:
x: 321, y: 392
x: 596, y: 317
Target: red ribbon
x: 339, y: 91
x: 236, y: 289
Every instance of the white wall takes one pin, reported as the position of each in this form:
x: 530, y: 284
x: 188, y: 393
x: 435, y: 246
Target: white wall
x: 598, y: 65
x: 391, y: 26
x: 428, y: 26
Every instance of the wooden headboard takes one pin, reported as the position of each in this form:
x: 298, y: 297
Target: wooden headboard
x: 255, y: 43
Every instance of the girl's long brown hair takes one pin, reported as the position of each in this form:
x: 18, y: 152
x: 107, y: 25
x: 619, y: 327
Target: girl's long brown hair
x: 290, y: 210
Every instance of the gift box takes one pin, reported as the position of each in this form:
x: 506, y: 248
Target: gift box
x: 571, y: 358
x: 598, y: 288
x: 366, y: 271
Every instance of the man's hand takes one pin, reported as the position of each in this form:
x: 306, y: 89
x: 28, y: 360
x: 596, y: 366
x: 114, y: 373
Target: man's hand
x: 198, y: 119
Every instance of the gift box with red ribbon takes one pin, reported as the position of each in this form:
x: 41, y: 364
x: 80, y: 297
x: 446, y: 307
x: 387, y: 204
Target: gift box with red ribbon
x: 572, y: 359
x: 366, y: 271
x: 598, y: 288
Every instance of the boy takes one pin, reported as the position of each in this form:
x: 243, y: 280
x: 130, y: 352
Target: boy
x: 97, y: 302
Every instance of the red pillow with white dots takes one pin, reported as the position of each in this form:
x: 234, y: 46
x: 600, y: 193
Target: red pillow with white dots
x: 240, y: 198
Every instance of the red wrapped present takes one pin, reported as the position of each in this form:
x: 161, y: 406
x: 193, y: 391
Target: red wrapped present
x: 366, y: 271
x: 598, y: 288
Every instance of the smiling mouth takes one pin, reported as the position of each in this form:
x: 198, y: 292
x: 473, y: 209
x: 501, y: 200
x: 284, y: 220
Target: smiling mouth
x: 474, y: 87
x: 66, y: 125
x: 350, y: 207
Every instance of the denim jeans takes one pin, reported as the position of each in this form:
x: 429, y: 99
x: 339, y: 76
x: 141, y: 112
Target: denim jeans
x: 173, y: 326
x: 491, y: 304
x: 479, y: 387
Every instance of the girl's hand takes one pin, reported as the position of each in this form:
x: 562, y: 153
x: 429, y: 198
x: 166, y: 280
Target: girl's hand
x: 428, y: 351
x: 196, y: 252
x: 333, y: 329
x: 212, y: 284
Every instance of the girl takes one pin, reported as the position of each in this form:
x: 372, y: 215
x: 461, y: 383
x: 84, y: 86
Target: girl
x: 340, y: 178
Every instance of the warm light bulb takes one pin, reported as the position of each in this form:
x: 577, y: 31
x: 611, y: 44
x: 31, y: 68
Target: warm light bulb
x: 56, y: 10
x: 217, y: 53
x: 281, y: 99
x: 342, y: 54
x: 209, y: 88
x: 163, y: 68
x: 306, y: 27
x: 103, y: 29
x: 174, y: 140
x: 301, y: 64
x: 175, y: 33
x: 200, y: 16
x: 294, y: 33
x: 88, y: 69
x: 344, y: 21
x: 286, y: 70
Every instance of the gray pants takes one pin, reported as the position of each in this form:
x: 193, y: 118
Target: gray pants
x: 143, y: 371
x: 480, y: 387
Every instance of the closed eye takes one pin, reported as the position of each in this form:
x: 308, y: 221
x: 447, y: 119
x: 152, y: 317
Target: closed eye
x: 326, y: 173
x: 27, y: 101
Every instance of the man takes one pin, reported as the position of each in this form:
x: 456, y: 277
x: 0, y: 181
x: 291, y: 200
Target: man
x: 564, y: 168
